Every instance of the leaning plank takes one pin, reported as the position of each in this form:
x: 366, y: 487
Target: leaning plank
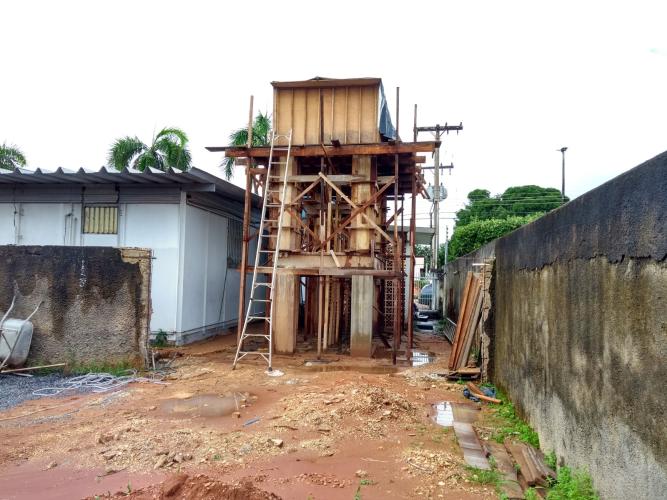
x: 459, y: 323
x: 467, y: 319
x: 472, y: 326
x: 510, y: 483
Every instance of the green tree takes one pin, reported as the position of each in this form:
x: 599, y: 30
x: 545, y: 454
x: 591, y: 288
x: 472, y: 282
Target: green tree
x: 11, y: 157
x: 515, y: 201
x: 261, y: 133
x: 470, y: 237
x: 169, y: 149
x: 424, y: 251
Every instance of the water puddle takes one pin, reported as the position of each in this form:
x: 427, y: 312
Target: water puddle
x: 376, y: 369
x: 207, y: 405
x: 446, y: 413
x: 421, y: 358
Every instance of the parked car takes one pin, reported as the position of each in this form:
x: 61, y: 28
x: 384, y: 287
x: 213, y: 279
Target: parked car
x: 426, y: 295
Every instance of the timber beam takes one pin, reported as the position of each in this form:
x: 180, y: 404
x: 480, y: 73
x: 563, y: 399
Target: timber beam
x: 381, y: 148
x: 342, y: 272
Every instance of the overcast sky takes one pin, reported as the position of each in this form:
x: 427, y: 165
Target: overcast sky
x: 525, y: 78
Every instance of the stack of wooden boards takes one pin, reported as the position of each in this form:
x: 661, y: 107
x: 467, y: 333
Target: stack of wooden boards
x: 469, y: 317
x: 530, y: 470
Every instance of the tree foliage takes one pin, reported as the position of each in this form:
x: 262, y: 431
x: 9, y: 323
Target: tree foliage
x: 169, y: 149
x: 261, y: 133
x: 486, y: 217
x: 515, y: 201
x: 11, y: 157
x: 479, y: 232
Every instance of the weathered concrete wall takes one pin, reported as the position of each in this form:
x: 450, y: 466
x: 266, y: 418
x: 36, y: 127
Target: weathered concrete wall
x: 580, y: 340
x: 96, y: 301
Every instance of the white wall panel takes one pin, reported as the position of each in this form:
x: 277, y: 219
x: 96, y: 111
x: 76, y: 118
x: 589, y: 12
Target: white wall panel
x: 156, y: 227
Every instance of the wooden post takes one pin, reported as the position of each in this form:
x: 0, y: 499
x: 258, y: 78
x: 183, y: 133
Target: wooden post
x: 411, y: 278
x: 250, y: 125
x: 397, y: 266
x: 396, y: 250
x: 246, y: 222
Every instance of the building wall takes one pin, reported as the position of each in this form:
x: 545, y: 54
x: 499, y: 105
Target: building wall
x: 144, y: 225
x: 580, y: 330
x: 96, y: 301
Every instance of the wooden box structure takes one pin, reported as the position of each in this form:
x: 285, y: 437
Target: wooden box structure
x: 341, y: 272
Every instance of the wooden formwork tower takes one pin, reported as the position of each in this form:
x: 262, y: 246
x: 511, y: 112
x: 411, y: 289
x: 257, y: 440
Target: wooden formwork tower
x: 342, y: 257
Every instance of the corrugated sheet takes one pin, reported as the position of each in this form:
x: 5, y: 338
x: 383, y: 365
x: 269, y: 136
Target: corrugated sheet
x: 108, y: 185
x: 100, y: 220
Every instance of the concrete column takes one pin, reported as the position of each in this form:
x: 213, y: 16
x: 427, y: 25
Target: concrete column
x: 360, y: 229
x: 285, y: 312
x: 288, y: 238
x: 361, y: 320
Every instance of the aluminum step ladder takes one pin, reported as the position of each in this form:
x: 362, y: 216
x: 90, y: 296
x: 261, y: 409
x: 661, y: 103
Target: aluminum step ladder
x: 264, y: 237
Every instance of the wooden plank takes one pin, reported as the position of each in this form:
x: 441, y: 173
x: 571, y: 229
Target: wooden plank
x: 527, y: 470
x: 312, y: 116
x: 459, y: 323
x: 352, y: 126
x: 337, y: 178
x: 473, y: 454
x: 299, y: 117
x: 329, y: 82
x: 479, y: 394
x: 475, y: 318
x: 510, y: 483
x: 313, y: 149
x: 468, y: 321
x: 333, y: 256
x: 368, y: 124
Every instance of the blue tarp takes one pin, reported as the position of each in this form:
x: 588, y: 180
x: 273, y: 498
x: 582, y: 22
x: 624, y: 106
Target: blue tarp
x: 386, y: 127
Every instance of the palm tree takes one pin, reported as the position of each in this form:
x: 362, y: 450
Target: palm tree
x: 11, y: 157
x: 261, y: 131
x: 168, y: 150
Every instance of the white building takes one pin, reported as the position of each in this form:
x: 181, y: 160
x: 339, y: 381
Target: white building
x: 192, y: 222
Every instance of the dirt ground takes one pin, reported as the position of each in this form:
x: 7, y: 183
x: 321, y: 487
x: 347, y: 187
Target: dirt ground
x: 349, y: 428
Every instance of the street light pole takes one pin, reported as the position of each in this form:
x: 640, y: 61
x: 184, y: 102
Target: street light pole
x: 562, y: 189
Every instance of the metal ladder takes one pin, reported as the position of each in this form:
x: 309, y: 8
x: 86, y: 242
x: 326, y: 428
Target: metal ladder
x: 264, y: 236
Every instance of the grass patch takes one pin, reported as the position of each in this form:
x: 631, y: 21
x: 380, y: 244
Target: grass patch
x: 511, y: 424
x: 572, y: 485
x: 550, y: 459
x: 482, y: 476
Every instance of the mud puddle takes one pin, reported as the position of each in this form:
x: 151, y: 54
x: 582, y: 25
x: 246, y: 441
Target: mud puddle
x: 319, y: 367
x: 421, y: 358
x: 207, y: 405
x: 447, y: 413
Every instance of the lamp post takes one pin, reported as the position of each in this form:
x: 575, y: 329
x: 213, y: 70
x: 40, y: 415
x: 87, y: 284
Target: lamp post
x: 562, y: 189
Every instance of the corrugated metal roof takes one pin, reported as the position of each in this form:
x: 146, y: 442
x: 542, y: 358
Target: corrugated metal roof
x: 190, y: 180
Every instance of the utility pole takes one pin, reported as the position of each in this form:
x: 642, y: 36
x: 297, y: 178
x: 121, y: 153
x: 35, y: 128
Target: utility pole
x: 437, y: 131
x: 562, y: 189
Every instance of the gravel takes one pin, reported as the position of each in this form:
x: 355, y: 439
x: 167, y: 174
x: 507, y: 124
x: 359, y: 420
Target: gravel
x: 15, y: 389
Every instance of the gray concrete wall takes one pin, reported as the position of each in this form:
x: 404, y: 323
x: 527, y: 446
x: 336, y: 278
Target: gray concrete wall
x: 580, y: 330
x: 96, y: 301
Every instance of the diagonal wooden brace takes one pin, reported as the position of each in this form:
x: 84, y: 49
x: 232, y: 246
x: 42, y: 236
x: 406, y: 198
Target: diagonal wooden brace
x: 357, y: 208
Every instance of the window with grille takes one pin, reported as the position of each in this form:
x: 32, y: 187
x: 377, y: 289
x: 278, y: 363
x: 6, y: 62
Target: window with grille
x: 234, y: 243
x: 100, y: 220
